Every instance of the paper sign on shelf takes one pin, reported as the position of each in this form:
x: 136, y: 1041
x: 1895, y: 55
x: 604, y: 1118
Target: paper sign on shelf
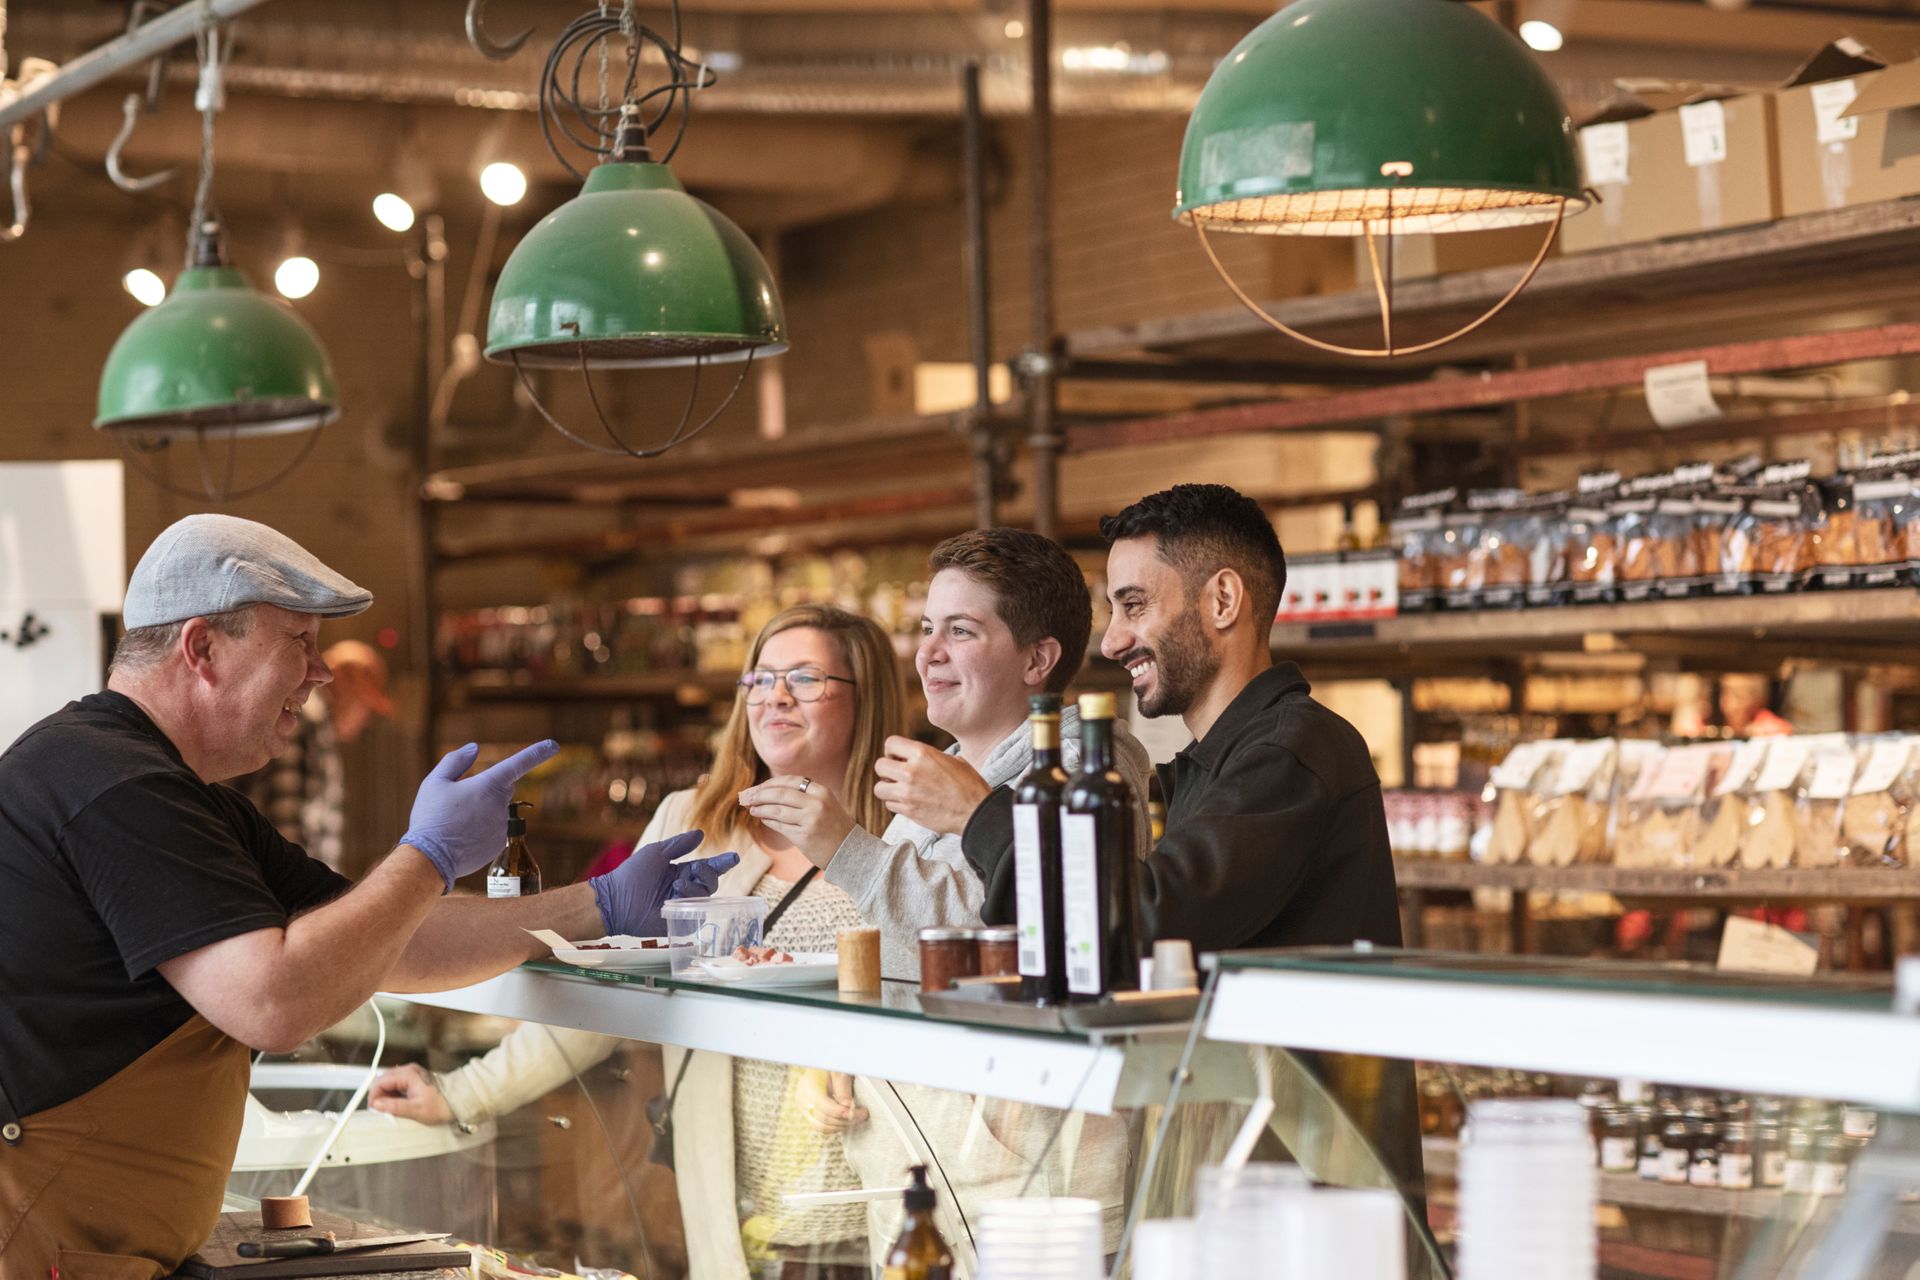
x: 1583, y: 761
x: 1679, y: 394
x: 1747, y: 758
x: 1703, y: 128
x: 1785, y: 760
x: 1832, y: 776
x: 1829, y: 100
x: 1886, y: 761
x: 1749, y: 946
x: 1515, y: 773
x: 1604, y: 148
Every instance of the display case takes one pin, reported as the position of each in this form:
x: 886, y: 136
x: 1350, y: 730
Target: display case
x: 1359, y: 1067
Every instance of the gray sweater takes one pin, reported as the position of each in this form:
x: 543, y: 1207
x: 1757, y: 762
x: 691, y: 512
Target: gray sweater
x: 911, y: 878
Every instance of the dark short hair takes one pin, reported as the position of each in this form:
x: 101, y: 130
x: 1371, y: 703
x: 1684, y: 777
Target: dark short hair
x: 1040, y: 590
x: 1201, y: 529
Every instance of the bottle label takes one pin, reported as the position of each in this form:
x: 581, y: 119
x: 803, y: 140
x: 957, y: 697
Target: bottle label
x: 501, y: 886
x: 1829, y: 1178
x: 1773, y: 1168
x: 1617, y: 1155
x: 1080, y: 891
x: 1674, y: 1163
x: 1027, y: 899
x: 1705, y: 1171
x: 1736, y: 1172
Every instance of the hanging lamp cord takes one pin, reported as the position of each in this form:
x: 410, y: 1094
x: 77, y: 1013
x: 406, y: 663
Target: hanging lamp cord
x: 572, y: 125
x: 207, y: 99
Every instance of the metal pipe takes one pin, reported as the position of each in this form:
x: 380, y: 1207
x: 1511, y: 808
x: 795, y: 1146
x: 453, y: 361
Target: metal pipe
x: 980, y: 427
x: 145, y: 41
x: 1042, y: 357
x: 427, y: 267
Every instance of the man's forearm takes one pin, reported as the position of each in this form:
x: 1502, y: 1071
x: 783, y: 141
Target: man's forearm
x: 468, y: 939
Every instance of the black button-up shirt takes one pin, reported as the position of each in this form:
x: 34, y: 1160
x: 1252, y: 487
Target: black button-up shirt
x: 1276, y: 835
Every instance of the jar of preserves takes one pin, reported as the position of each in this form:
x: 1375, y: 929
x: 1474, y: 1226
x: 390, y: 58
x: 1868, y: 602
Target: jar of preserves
x: 1797, y: 1178
x: 1770, y: 1154
x: 1736, y: 1156
x: 1619, y: 1140
x: 1676, y: 1153
x: 1831, y: 1156
x: 999, y: 951
x: 946, y: 954
x: 1704, y: 1171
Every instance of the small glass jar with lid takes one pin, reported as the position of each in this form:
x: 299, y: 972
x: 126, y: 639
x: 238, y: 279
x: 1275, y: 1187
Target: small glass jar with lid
x: 1676, y: 1153
x: 1736, y: 1155
x: 1704, y: 1170
x: 1797, y: 1178
x: 1769, y: 1153
x: 1619, y: 1140
x: 1832, y: 1153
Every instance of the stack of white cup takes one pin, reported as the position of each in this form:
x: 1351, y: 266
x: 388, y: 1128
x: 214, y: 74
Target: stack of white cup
x: 1242, y: 1214
x: 1527, y: 1192
x: 1269, y: 1220
x: 1040, y: 1239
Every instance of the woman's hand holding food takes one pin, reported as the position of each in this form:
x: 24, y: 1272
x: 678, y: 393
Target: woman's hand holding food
x: 826, y: 1098
x: 804, y: 811
x: 934, y: 789
x: 411, y: 1093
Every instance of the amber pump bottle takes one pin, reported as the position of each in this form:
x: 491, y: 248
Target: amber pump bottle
x: 514, y: 874
x: 919, y: 1253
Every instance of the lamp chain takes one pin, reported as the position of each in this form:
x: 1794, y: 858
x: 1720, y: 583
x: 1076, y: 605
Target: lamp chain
x: 207, y: 98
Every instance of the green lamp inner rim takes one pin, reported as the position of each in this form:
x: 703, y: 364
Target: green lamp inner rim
x: 240, y: 420
x: 1424, y: 209
x: 638, y: 351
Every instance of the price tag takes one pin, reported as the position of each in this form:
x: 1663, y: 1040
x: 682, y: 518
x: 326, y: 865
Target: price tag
x: 1582, y: 763
x: 1679, y: 394
x: 1785, y: 760
x: 1886, y: 761
x: 1683, y: 772
x: 1703, y: 128
x: 1748, y: 946
x: 1832, y: 776
x: 1829, y: 100
x: 1515, y: 773
x: 1604, y: 147
x: 1747, y: 758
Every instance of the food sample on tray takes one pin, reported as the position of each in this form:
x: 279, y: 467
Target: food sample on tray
x: 751, y: 956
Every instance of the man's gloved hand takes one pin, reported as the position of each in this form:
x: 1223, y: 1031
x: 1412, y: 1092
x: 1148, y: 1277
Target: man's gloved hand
x: 460, y: 824
x: 630, y: 896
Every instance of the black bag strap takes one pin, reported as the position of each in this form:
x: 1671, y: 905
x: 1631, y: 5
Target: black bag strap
x: 787, y: 900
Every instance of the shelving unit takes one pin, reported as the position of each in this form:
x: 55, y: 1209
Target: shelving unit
x: 490, y: 686
x: 1727, y: 885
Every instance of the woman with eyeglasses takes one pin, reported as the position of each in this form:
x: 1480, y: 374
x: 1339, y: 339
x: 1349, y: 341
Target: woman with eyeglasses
x: 819, y: 697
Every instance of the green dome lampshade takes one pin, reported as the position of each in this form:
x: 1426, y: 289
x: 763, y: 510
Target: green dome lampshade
x: 634, y: 273
x: 1335, y: 113
x: 219, y: 357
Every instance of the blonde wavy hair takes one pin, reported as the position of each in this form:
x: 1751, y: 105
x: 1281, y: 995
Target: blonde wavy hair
x: 879, y: 710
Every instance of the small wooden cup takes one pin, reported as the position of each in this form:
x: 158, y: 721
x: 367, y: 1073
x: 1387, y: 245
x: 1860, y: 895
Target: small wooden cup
x: 859, y: 952
x: 279, y: 1213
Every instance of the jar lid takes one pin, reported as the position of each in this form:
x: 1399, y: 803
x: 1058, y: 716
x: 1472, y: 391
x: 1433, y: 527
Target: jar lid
x: 998, y: 933
x: 946, y: 935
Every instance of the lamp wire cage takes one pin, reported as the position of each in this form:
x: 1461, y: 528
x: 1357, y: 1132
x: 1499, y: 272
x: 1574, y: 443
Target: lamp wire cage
x: 1379, y: 214
x: 625, y: 121
x: 220, y: 424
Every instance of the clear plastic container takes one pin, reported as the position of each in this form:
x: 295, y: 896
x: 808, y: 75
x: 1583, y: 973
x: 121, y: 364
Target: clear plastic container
x: 709, y: 928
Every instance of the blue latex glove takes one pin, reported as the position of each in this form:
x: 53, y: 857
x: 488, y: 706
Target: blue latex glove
x: 459, y: 823
x: 630, y: 896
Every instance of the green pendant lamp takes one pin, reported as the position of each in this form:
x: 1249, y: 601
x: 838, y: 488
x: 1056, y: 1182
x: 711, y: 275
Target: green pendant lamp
x: 1375, y: 118
x: 216, y: 356
x: 633, y: 273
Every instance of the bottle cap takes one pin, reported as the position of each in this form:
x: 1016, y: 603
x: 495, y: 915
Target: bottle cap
x: 919, y: 1195
x: 1096, y: 706
x: 517, y: 825
x: 1044, y: 704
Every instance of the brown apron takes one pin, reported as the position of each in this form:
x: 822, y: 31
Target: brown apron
x: 126, y: 1180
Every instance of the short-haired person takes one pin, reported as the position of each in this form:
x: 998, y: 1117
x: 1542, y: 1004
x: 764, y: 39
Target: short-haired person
x: 154, y: 925
x: 1275, y: 832
x: 1008, y: 615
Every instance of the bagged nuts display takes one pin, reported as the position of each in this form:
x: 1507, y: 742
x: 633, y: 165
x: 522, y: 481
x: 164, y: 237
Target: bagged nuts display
x: 1770, y: 832
x: 1879, y: 807
x: 1529, y: 766
x: 1821, y: 796
x: 1723, y: 819
x: 1417, y: 533
x: 1569, y: 824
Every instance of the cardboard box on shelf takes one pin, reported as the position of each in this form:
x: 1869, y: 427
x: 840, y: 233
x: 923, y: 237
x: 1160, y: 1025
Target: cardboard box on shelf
x: 1671, y: 158
x: 1848, y: 130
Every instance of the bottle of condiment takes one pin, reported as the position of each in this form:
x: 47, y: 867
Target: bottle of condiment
x: 1705, y: 1169
x: 1652, y: 1141
x: 1798, y: 1175
x: 1676, y: 1152
x: 1036, y: 859
x: 1736, y: 1156
x: 1770, y: 1153
x: 514, y: 874
x: 1619, y: 1140
x: 1831, y: 1155
x: 919, y: 1253
x: 1100, y: 903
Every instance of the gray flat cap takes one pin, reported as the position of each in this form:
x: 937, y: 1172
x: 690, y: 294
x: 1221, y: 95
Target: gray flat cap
x: 209, y: 564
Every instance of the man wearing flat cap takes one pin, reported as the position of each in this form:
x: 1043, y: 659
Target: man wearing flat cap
x: 154, y: 927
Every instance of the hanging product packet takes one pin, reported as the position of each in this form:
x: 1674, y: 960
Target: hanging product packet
x: 1661, y: 824
x: 1818, y: 802
x: 1497, y: 562
x: 1655, y: 523
x: 1570, y: 822
x: 1879, y: 806
x: 1692, y: 539
x: 1723, y: 818
x: 1589, y: 538
x: 1516, y: 781
x: 1770, y: 544
x: 1883, y: 503
x: 1455, y: 546
x: 1416, y: 530
x: 1549, y: 573
x: 1769, y: 835
x: 1633, y: 759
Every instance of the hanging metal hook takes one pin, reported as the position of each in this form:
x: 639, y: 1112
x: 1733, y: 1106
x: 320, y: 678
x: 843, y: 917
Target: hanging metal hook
x: 485, y: 45
x: 130, y: 115
x: 18, y: 154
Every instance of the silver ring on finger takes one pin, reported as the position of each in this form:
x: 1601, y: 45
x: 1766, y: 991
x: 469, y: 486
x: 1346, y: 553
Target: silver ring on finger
x: 804, y: 784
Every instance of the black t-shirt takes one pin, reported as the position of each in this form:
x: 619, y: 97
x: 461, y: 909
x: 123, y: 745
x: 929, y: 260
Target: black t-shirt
x: 115, y: 857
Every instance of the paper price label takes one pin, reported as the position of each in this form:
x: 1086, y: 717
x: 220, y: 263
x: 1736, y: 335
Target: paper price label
x: 1604, y: 148
x: 1515, y: 773
x: 1703, y: 129
x: 1829, y: 100
x: 1785, y: 760
x: 1582, y: 763
x: 1747, y: 758
x: 1886, y: 761
x: 1679, y: 394
x: 1832, y: 776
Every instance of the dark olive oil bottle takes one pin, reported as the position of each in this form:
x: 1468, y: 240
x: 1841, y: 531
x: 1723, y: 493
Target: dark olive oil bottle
x: 1036, y: 859
x: 1098, y: 874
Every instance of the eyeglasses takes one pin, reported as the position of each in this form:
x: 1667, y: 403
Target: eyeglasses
x: 806, y: 684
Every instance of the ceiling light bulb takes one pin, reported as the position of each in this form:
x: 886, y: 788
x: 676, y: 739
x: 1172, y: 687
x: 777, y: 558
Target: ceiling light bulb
x: 146, y: 287
x: 296, y: 277
x: 1015, y: 28
x: 503, y: 183
x: 1543, y: 37
x: 394, y: 212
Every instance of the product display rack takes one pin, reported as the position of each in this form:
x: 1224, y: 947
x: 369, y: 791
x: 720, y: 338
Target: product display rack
x: 1643, y: 884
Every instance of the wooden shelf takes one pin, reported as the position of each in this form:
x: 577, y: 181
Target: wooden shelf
x: 1724, y: 885
x: 681, y: 686
x: 1865, y: 626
